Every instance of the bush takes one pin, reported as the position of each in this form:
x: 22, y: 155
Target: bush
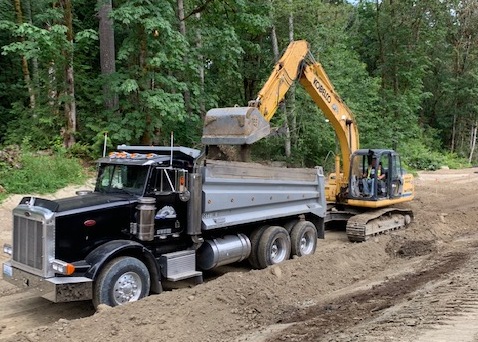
x: 42, y: 174
x: 453, y: 161
x: 419, y: 157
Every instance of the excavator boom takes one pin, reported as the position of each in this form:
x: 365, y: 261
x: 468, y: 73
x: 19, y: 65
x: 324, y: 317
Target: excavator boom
x: 246, y: 125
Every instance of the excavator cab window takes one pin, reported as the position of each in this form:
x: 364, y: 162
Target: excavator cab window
x: 359, y: 168
x: 372, y: 173
x: 383, y: 179
x: 396, y: 179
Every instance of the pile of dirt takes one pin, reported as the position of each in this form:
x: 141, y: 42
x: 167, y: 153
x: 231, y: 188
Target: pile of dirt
x: 402, y: 247
x: 247, y: 305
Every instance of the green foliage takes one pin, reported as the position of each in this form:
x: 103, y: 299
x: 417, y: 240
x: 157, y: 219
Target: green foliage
x: 407, y: 69
x: 41, y: 174
x: 149, y: 58
x: 419, y: 156
x: 453, y: 161
x: 32, y: 127
x: 82, y: 152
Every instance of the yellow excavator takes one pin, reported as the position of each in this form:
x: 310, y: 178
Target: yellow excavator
x: 366, y: 184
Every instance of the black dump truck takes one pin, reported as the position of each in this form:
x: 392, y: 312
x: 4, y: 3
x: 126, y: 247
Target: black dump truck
x: 161, y: 213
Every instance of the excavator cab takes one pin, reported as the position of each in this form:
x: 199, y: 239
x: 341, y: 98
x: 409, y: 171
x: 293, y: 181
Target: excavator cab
x: 376, y: 175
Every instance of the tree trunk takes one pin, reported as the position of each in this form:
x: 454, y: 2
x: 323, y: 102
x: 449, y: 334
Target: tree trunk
x: 381, y: 44
x: 202, y: 104
x: 25, y: 69
x: 453, y: 134
x: 107, y: 51
x: 34, y: 66
x: 182, y: 30
x: 182, y: 24
x: 275, y: 49
x: 275, y: 45
x: 146, y: 138
x: 70, y: 103
x: 292, y: 129
x: 474, y: 129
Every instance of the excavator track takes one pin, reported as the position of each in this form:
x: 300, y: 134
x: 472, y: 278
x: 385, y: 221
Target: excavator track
x: 362, y: 226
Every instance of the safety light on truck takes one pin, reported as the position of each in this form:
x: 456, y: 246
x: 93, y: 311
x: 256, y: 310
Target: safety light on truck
x: 7, y: 249
x: 62, y: 267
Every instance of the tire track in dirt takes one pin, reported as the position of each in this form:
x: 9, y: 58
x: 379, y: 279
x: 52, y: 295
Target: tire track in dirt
x: 340, y: 320
x: 443, y: 311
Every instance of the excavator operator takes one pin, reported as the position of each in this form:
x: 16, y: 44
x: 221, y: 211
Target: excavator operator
x: 368, y: 180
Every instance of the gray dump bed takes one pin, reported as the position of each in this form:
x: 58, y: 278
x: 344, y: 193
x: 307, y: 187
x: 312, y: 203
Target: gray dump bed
x: 239, y: 193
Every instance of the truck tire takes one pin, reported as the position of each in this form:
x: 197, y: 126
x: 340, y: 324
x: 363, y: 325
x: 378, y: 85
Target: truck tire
x: 290, y: 224
x: 122, y: 280
x: 274, y: 246
x: 255, y: 237
x: 303, y: 238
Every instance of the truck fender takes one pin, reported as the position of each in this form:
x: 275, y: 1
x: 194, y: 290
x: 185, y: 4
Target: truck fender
x: 98, y: 257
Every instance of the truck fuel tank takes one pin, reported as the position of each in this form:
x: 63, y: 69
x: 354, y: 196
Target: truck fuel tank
x: 223, y: 251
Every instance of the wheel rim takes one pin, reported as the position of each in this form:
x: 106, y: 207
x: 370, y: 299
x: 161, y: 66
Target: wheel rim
x: 278, y: 250
x: 127, y: 288
x: 307, y: 243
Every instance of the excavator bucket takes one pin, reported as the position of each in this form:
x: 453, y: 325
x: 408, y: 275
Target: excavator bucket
x: 234, y: 126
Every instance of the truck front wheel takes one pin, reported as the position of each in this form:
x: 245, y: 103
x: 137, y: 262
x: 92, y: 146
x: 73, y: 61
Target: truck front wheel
x: 122, y: 280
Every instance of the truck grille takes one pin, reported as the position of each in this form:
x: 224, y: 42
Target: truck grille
x: 28, y: 242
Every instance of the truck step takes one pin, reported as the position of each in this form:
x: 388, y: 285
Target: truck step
x: 187, y: 275
x: 180, y: 265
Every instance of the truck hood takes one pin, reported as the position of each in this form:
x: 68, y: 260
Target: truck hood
x: 81, y: 203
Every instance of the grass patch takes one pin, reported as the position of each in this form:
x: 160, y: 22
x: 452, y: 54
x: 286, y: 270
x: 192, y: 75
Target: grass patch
x: 41, y: 174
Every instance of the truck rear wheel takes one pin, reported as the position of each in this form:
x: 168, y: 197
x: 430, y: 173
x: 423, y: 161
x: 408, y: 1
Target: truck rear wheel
x: 303, y: 238
x: 290, y: 224
x: 124, y: 279
x: 255, y: 237
x: 274, y: 246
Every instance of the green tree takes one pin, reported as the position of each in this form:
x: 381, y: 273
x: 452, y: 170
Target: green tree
x: 149, y: 57
x: 45, y: 42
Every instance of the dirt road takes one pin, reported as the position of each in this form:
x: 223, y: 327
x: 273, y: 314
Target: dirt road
x: 417, y: 284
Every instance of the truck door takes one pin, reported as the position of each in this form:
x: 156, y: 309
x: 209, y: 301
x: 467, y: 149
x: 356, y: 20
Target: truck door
x: 171, y: 212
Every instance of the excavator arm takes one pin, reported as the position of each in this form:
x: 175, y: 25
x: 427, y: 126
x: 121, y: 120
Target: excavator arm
x: 245, y: 125
x: 316, y: 82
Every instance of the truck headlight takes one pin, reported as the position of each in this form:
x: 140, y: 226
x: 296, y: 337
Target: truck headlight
x: 62, y: 267
x: 7, y: 249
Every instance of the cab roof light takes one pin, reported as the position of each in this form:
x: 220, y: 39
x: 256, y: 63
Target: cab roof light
x: 128, y: 155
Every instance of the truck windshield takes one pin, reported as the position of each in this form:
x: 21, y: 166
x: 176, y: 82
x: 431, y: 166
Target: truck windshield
x: 129, y: 179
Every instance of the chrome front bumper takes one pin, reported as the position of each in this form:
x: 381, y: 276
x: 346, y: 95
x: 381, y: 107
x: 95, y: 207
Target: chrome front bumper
x: 55, y: 289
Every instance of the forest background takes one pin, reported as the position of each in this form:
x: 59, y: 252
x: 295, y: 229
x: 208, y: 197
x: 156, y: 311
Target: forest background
x: 72, y: 70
